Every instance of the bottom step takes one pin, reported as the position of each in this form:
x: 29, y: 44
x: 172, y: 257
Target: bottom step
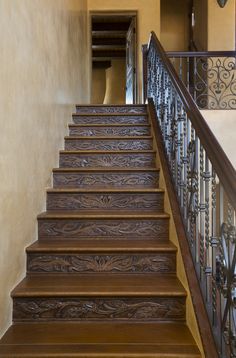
x: 104, y: 340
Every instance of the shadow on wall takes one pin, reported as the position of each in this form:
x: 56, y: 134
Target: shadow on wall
x: 108, y: 85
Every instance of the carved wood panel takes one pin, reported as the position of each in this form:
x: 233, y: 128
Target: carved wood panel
x: 105, y: 201
x: 95, y: 263
x: 96, y: 144
x: 99, y: 309
x: 113, y: 109
x: 107, y: 160
x: 73, y: 180
x: 113, y: 119
x: 119, y: 228
x: 109, y: 131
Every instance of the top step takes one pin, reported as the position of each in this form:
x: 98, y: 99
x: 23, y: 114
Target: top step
x: 112, y: 109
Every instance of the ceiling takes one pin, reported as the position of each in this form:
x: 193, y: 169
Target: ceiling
x: 108, y: 38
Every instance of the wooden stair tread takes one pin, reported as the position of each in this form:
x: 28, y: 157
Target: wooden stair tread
x: 85, y: 125
x: 73, y: 246
x: 106, y: 169
x: 115, y: 138
x: 117, y: 114
x: 111, y: 105
x: 128, y: 285
x: 106, y: 190
x: 57, y: 214
x: 47, y: 334
x: 107, y: 151
x: 105, y: 339
x: 99, y: 351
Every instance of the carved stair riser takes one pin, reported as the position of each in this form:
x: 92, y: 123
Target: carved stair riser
x: 113, y: 109
x: 93, y: 309
x: 116, y: 229
x: 113, y: 144
x: 107, y: 160
x: 105, y: 201
x: 96, y: 263
x: 125, y: 119
x: 101, y: 180
x: 109, y: 131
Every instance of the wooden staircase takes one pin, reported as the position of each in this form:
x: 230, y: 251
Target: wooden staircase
x: 101, y: 280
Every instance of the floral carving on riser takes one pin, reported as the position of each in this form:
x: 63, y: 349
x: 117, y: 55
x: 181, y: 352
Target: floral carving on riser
x: 108, y: 144
x: 99, y: 309
x: 107, y: 160
x: 115, y: 263
x: 110, y: 119
x: 107, y: 109
x: 111, y: 179
x: 109, y: 131
x: 135, y: 229
x: 111, y: 201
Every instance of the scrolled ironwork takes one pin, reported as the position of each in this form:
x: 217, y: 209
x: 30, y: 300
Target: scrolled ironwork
x: 210, y: 78
x: 203, y: 177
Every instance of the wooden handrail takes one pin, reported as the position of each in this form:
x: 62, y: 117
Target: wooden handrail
x: 223, y: 167
x: 197, y: 299
x: 201, y: 54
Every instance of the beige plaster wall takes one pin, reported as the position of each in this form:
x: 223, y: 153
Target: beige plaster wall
x: 148, y: 20
x: 223, y: 125
x: 43, y: 73
x: 175, y: 25
x: 221, y: 26
x: 115, y: 82
x: 98, y: 85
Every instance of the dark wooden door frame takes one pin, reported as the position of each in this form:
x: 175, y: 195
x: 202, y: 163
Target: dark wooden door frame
x: 125, y: 13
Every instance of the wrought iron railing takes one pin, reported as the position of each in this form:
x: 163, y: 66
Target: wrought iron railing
x: 209, y: 76
x: 205, y: 184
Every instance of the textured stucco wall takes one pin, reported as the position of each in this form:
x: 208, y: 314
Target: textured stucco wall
x: 98, y: 85
x: 221, y: 26
x: 223, y: 125
x: 115, y: 82
x: 175, y: 25
x: 43, y: 73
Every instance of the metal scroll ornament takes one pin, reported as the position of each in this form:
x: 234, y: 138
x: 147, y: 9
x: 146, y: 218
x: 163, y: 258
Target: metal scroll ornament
x: 222, y: 3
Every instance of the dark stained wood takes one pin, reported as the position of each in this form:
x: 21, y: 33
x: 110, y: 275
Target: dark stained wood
x: 101, y: 215
x: 109, y: 41
x: 110, y: 54
x: 105, y: 285
x: 195, y: 290
x: 131, y: 159
x: 108, y: 47
x: 96, y: 256
x: 99, y: 340
x: 101, y: 281
x: 109, y: 34
x: 101, y: 64
x: 201, y: 54
x: 101, y: 246
x: 144, y: 51
x: 223, y: 167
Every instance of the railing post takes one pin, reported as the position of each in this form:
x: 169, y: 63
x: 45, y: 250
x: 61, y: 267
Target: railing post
x: 205, y: 192
x: 144, y: 51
